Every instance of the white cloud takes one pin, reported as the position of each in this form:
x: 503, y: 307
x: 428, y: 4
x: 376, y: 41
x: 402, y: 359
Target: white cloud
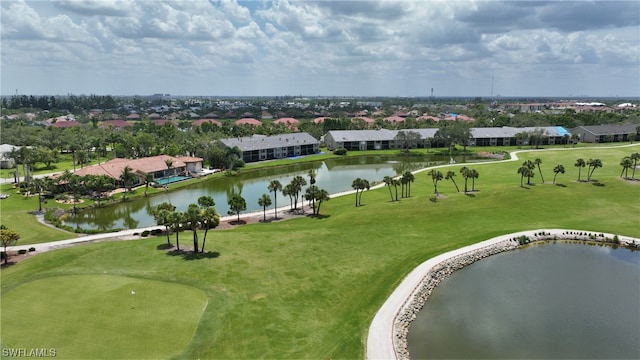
x: 310, y: 46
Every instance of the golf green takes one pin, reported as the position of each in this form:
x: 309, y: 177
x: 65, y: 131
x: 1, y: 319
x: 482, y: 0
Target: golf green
x: 101, y: 316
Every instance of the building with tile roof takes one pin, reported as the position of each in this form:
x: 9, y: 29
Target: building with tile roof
x: 157, y: 166
x: 248, y: 121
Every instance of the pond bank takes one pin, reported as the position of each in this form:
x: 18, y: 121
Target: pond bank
x: 387, y: 338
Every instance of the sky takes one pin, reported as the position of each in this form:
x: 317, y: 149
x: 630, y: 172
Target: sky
x: 320, y: 48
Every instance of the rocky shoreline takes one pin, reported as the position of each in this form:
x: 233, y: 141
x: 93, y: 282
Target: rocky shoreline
x: 445, y: 268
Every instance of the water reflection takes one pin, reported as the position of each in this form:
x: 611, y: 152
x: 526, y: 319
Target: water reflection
x: 333, y: 175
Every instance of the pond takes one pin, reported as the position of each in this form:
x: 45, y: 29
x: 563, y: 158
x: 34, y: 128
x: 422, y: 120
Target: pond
x: 333, y: 175
x: 549, y: 301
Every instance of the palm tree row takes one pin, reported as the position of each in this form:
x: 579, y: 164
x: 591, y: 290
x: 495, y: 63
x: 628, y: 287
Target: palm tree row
x: 199, y: 216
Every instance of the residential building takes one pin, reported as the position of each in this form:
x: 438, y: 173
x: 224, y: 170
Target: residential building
x: 161, y: 166
x: 261, y: 147
x: 607, y: 133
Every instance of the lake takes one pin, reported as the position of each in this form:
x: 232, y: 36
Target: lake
x: 548, y: 301
x: 334, y: 175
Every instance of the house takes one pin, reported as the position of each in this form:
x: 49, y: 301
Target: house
x: 261, y: 147
x: 248, y: 121
x: 160, y: 166
x: 7, y: 162
x: 386, y: 139
x: 65, y: 123
x: 369, y: 122
x: 607, y: 133
x: 394, y: 119
x: 380, y: 139
x: 118, y: 124
x: 291, y: 123
x: 210, y: 121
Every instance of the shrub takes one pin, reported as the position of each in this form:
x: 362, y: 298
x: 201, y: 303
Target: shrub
x: 340, y: 151
x: 145, y: 233
x: 22, y: 251
x: 32, y: 249
x: 156, y: 232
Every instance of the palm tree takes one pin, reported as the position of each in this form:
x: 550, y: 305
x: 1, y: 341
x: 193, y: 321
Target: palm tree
x: 236, y: 204
x: 127, y: 177
x: 162, y: 214
x: 559, y: 169
x: 287, y: 190
x: 321, y: 196
x: 176, y: 219
x: 580, y: 163
x: 296, y: 184
x: 169, y: 163
x: 264, y: 201
x: 408, y: 178
x: 464, y: 171
x: 626, y: 164
x: 436, y: 175
x: 450, y: 176
x: 635, y: 157
x: 312, y: 176
x: 396, y: 183
x: 473, y: 174
x: 318, y: 196
x: 210, y: 218
x: 356, y: 184
x: 148, y: 179
x: 275, y: 186
x: 39, y: 184
x: 537, y: 162
x: 388, y: 180
x: 593, y: 164
x: 523, y: 171
x: 193, y: 218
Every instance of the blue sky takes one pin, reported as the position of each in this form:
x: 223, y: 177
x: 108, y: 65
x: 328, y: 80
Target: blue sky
x: 321, y: 48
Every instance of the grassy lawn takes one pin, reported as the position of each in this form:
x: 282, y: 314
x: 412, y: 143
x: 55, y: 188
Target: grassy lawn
x: 308, y: 288
x: 110, y: 316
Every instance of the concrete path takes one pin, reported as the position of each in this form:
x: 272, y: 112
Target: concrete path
x: 380, y: 340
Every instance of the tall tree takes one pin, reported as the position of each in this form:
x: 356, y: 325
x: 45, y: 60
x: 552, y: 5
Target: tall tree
x: 148, y: 179
x: 296, y: 184
x: 473, y: 174
x: 635, y: 157
x: 626, y: 164
x: 450, y: 176
x: 592, y: 164
x: 527, y: 169
x: 436, y: 176
x: 408, y: 179
x: 274, y: 187
x: 388, y: 181
x: 8, y: 238
x: 161, y: 213
x: 396, y: 183
x: 558, y: 169
x: 537, y: 162
x: 580, y: 163
x: 209, y: 216
x: 128, y: 177
x: 193, y: 219
x: 264, y: 201
x: 464, y: 171
x: 236, y: 204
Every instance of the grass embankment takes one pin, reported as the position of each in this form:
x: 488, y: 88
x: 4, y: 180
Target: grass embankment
x: 308, y: 288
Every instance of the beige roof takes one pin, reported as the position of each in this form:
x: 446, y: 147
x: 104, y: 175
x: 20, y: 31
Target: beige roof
x: 114, y: 167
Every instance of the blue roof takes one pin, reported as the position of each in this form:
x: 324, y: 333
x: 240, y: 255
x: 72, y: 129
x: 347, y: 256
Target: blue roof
x: 562, y: 131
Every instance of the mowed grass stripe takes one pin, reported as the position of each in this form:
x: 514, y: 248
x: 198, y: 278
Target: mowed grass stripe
x: 308, y: 288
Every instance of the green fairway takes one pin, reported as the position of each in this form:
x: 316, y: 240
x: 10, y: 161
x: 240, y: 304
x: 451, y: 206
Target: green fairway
x: 309, y: 288
x: 102, y: 316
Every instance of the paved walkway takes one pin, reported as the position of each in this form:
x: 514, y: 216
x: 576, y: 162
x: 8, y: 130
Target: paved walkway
x: 380, y: 344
